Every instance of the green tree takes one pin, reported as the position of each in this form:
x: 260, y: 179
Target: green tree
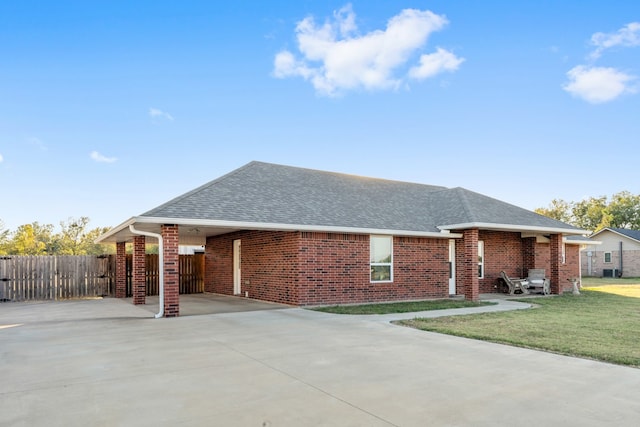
x: 92, y: 248
x: 4, y: 239
x: 76, y: 239
x: 558, y: 209
x: 591, y: 214
x: 32, y: 239
x: 71, y: 238
x: 596, y: 213
x: 624, y: 210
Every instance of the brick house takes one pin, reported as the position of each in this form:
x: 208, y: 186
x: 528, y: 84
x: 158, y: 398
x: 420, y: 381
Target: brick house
x: 308, y: 237
x: 612, y: 252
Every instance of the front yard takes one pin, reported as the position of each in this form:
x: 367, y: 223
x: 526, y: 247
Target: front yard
x: 603, y: 323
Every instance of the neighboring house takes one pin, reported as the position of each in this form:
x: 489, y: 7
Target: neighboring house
x: 617, y: 254
x: 308, y: 237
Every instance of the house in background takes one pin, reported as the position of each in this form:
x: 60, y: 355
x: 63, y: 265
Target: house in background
x: 309, y: 237
x: 616, y: 253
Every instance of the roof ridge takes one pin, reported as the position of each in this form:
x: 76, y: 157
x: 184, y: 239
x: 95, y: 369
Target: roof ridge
x: 465, y: 202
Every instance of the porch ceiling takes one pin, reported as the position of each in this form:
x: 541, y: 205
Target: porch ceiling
x: 188, y: 234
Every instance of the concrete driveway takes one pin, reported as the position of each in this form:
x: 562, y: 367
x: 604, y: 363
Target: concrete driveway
x: 108, y: 363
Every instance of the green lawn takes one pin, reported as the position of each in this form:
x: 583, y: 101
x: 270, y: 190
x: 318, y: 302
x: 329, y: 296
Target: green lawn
x: 626, y: 286
x: 596, y: 324
x: 399, y: 307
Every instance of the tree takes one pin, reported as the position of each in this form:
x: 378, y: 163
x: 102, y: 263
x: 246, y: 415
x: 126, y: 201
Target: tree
x: 32, y: 239
x: 72, y: 236
x: 591, y: 214
x: 4, y: 238
x: 558, y: 209
x: 596, y: 213
x: 624, y: 210
x: 91, y: 248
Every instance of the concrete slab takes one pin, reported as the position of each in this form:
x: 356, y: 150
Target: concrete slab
x: 209, y: 303
x: 107, y: 362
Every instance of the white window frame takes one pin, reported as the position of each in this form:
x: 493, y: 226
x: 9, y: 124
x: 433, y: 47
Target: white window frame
x: 480, y: 259
x: 564, y: 253
x: 380, y: 264
x: 610, y: 257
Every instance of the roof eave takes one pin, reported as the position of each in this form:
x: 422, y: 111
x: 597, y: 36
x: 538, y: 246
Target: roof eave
x: 513, y: 227
x: 112, y: 235
x: 615, y: 232
x: 107, y: 237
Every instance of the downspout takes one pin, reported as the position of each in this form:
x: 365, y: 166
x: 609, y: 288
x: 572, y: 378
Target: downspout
x: 160, y: 262
x: 620, y: 272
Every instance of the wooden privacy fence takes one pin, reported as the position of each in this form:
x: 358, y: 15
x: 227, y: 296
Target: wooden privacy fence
x: 55, y: 277
x: 33, y: 278
x: 191, y: 274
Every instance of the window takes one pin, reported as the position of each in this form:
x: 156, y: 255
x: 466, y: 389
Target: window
x: 564, y: 253
x: 607, y: 257
x: 381, y: 252
x: 480, y: 259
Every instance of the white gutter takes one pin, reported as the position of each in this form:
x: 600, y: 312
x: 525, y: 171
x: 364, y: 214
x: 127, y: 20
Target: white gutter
x: 160, y: 262
x: 513, y: 227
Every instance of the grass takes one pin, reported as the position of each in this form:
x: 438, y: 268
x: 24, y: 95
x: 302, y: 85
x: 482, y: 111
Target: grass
x: 596, y: 325
x: 399, y: 307
x: 626, y: 286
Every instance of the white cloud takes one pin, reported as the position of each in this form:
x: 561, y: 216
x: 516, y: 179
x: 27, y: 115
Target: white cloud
x: 335, y: 58
x: 627, y: 36
x: 598, y: 84
x: 435, y: 63
x: 154, y: 113
x: 101, y: 158
x: 1, y: 158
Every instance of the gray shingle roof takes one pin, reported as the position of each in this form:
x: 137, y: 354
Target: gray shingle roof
x: 632, y: 234
x: 268, y: 193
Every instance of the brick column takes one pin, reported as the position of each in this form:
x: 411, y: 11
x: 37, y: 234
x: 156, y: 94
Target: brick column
x: 209, y: 261
x: 470, y: 281
x: 121, y: 270
x: 139, y: 270
x: 171, y: 270
x: 555, y: 248
x: 528, y: 254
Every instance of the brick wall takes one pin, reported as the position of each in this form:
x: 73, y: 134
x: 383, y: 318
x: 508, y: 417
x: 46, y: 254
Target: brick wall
x: 268, y: 265
x: 630, y: 263
x: 311, y: 268
x: 304, y: 268
x: 334, y: 269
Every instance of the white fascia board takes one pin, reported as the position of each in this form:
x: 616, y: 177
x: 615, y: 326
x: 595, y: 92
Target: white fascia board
x: 581, y: 242
x: 444, y: 234
x: 512, y: 227
x: 115, y: 230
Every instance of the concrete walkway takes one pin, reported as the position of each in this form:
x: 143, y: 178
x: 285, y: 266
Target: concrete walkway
x: 109, y: 363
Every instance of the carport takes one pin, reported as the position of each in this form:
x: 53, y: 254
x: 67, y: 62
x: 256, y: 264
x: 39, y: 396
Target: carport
x: 169, y: 234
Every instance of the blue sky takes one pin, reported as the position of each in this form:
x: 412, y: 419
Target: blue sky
x: 110, y: 108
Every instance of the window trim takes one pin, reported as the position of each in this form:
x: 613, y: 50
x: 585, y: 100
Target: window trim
x: 610, y: 257
x: 380, y: 264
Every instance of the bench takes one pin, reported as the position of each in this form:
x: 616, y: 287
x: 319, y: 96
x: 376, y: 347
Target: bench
x: 537, y: 282
x: 515, y: 285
